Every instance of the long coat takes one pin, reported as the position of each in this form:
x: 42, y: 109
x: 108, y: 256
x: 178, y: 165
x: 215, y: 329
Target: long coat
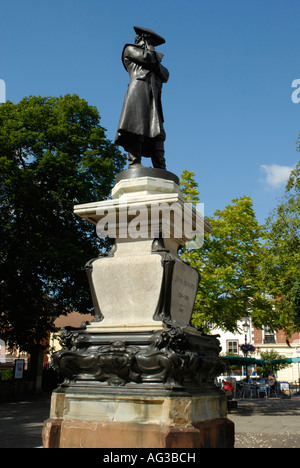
x: 142, y: 117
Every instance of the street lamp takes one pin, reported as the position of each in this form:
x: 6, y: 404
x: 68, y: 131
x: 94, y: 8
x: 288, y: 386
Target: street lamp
x: 246, y: 327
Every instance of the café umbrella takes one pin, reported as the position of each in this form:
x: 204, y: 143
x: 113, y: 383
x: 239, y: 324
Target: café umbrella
x: 243, y: 360
x: 285, y: 360
x: 288, y: 361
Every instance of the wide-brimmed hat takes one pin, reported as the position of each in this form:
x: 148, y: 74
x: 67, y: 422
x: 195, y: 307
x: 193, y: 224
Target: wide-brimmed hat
x: 156, y: 38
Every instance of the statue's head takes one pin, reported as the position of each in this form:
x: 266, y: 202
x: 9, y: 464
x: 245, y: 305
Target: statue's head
x: 148, y: 36
x: 142, y: 39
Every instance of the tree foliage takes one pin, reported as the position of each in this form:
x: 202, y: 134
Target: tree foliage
x: 189, y: 187
x: 282, y: 254
x: 53, y: 154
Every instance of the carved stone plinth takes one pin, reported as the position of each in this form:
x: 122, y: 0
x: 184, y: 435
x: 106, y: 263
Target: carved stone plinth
x: 142, y: 282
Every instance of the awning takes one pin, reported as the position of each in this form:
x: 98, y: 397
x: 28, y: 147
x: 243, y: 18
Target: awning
x: 285, y: 360
x: 242, y: 360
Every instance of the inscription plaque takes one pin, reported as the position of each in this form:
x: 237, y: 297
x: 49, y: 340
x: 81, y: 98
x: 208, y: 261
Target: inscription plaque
x: 185, y: 282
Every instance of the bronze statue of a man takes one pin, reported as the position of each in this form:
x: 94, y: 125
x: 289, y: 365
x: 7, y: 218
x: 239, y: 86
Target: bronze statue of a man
x: 140, y: 130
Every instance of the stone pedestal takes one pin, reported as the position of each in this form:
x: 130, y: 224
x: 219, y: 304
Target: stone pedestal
x: 95, y: 420
x: 140, y: 375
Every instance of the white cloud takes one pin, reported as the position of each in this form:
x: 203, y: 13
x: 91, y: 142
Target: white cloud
x: 2, y: 91
x: 274, y: 175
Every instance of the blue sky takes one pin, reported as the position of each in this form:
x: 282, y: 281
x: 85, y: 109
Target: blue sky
x: 229, y: 116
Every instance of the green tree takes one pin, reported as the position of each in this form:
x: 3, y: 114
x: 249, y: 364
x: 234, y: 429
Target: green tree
x: 53, y: 154
x: 229, y: 263
x: 189, y: 187
x: 268, y: 367
x: 282, y: 255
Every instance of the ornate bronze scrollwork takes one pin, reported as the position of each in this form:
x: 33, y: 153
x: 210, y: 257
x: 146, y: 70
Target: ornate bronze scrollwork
x: 165, y: 359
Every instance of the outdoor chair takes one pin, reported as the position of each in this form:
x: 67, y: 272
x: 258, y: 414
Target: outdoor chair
x: 248, y: 389
x: 263, y: 390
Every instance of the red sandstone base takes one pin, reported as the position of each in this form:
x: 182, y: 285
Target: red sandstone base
x: 215, y: 433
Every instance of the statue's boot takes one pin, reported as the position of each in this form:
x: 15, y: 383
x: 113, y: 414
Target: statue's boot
x: 133, y: 160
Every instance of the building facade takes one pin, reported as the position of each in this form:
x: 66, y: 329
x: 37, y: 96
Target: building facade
x: 264, y: 340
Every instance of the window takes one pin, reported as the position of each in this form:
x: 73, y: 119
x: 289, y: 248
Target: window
x: 232, y: 346
x: 269, y: 336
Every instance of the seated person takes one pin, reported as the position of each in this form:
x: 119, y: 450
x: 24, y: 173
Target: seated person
x: 272, y: 382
